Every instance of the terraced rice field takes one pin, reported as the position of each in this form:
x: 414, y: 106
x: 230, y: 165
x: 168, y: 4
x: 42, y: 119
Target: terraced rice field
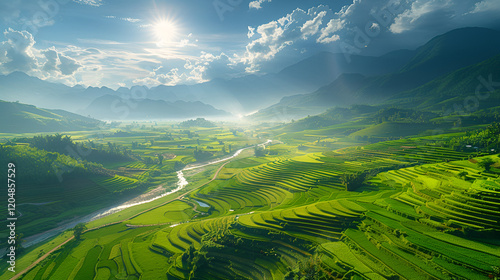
x: 117, y: 183
x: 176, y: 211
x: 416, y: 218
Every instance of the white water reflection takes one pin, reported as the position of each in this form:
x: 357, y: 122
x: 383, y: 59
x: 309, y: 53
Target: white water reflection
x: 202, y: 204
x: 181, y: 183
x: 141, y: 199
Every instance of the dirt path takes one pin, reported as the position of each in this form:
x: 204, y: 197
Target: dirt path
x: 41, y: 259
x: 114, y: 223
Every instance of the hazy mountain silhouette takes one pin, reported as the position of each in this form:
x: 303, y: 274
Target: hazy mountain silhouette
x: 111, y: 107
x: 239, y: 95
x: 19, y: 118
x: 431, y: 63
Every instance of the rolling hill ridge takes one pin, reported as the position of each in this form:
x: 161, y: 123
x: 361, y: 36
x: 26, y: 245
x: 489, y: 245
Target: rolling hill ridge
x: 19, y: 118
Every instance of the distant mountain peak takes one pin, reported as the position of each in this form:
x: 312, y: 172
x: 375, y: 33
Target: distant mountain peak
x: 455, y: 49
x: 18, y: 75
x: 79, y: 86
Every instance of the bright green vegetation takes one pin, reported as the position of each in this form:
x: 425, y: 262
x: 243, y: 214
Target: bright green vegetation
x: 75, y: 174
x: 45, y: 194
x: 176, y: 211
x: 414, y: 208
x: 407, y: 187
x: 418, y: 215
x: 16, y: 117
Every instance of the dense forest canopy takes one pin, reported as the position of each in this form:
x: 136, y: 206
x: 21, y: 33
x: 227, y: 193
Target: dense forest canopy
x: 486, y: 140
x: 89, y: 150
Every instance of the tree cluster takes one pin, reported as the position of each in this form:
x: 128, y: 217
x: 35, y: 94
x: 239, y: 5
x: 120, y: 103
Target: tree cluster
x: 483, y: 139
x: 199, y: 122
x: 403, y: 115
x: 353, y: 181
x: 89, y: 150
x: 313, y: 268
x: 259, y: 151
x: 201, y: 155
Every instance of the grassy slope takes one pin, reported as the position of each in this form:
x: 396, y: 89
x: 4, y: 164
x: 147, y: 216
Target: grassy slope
x: 387, y: 220
x: 19, y: 118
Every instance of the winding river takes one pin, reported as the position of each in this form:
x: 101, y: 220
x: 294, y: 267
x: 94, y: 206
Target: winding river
x: 141, y: 199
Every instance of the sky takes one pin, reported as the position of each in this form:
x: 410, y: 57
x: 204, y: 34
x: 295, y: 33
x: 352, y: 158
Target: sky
x: 122, y: 43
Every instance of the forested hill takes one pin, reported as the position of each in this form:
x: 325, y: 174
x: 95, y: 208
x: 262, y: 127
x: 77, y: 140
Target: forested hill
x: 43, y: 167
x: 20, y: 118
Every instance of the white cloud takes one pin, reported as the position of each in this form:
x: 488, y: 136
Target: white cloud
x: 363, y: 26
x: 486, y: 6
x: 95, y: 3
x: 58, y: 63
x: 328, y: 33
x: 200, y: 69
x: 129, y: 19
x: 316, y: 29
x: 18, y: 53
x: 155, y: 77
x: 311, y: 27
x: 251, y: 32
x: 257, y: 4
x: 98, y: 42
x: 68, y: 66
x: 51, y: 65
x: 113, y: 62
x: 219, y: 66
x: 187, y: 43
x: 188, y: 74
x: 273, y: 37
x: 418, y: 10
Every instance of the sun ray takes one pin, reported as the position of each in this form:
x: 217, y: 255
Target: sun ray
x: 165, y: 31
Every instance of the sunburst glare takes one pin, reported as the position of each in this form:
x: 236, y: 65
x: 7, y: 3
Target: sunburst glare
x: 165, y: 31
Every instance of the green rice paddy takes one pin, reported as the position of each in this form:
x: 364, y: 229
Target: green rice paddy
x: 414, y: 217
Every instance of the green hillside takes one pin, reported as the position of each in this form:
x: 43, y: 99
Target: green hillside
x: 442, y: 73
x: 53, y: 187
x: 394, y: 129
x: 389, y: 177
x: 414, y: 215
x: 20, y: 118
x: 477, y: 81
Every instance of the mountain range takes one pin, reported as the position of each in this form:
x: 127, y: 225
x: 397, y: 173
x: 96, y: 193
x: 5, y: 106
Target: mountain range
x: 238, y: 95
x: 112, y: 107
x: 310, y: 86
x: 451, y: 62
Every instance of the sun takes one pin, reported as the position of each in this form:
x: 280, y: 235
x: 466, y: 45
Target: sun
x: 165, y: 31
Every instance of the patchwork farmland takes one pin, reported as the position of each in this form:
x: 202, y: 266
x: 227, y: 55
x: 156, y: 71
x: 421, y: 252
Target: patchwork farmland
x: 422, y: 211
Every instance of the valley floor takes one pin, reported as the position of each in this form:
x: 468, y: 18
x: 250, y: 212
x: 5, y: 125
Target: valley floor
x: 404, y: 209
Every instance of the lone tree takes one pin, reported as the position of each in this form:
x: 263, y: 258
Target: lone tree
x: 19, y: 242
x: 78, y: 230
x: 259, y: 151
x: 352, y: 181
x: 486, y: 164
x: 463, y: 175
x: 160, y: 159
